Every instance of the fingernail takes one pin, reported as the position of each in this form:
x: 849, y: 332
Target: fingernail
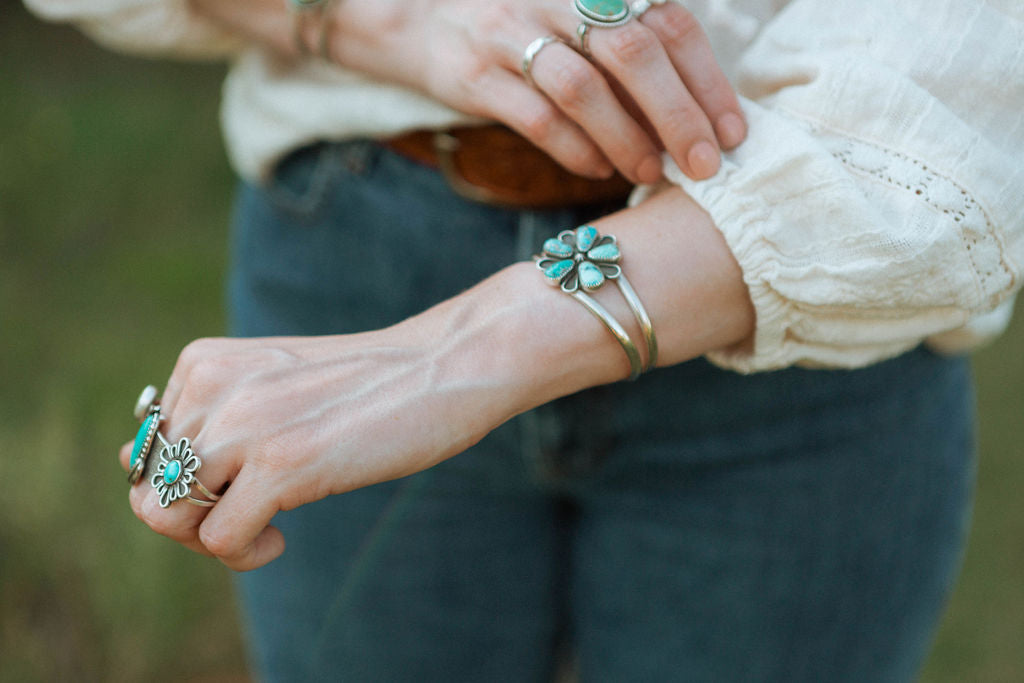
x: 731, y: 130
x: 649, y: 170
x: 703, y: 160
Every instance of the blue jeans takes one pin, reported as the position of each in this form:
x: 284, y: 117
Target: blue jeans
x: 694, y: 525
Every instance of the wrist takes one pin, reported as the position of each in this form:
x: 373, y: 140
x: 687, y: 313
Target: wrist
x: 521, y: 341
x: 372, y: 38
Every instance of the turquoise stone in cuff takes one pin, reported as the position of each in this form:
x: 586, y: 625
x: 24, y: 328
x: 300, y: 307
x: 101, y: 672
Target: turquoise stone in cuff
x: 606, y: 253
x: 557, y: 248
x: 172, y: 472
x: 591, y: 277
x: 556, y: 273
x: 586, y: 236
x: 140, y: 440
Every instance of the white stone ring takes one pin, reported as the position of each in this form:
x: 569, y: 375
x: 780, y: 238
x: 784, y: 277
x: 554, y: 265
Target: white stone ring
x: 638, y: 7
x: 175, y: 473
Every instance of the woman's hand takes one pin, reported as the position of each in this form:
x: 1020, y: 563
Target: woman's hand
x: 650, y: 84
x: 279, y: 422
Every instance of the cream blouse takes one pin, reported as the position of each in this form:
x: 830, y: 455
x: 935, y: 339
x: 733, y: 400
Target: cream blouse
x: 878, y: 201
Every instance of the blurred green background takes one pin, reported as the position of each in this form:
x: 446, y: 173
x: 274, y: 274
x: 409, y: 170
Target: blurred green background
x: 114, y: 205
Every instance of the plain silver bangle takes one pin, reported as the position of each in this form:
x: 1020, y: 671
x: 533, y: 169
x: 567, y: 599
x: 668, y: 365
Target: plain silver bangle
x: 304, y: 11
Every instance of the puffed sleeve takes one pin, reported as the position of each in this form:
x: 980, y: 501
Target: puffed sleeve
x: 148, y: 27
x: 879, y: 199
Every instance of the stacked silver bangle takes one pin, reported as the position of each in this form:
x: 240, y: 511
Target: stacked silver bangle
x: 304, y: 11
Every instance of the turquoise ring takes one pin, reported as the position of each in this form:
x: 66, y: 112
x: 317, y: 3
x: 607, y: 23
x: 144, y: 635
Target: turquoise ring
x: 176, y: 475
x: 603, y: 13
x: 148, y: 412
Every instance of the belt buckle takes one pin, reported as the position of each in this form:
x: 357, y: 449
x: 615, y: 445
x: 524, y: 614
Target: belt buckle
x: 446, y: 145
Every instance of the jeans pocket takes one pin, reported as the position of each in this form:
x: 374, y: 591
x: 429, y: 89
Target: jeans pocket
x: 298, y: 186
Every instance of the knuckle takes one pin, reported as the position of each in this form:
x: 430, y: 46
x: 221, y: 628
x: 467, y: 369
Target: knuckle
x: 472, y: 74
x: 193, y: 352
x: 685, y: 124
x: 573, y: 86
x: 495, y: 18
x: 539, y: 123
x: 207, y: 374
x: 702, y: 85
x: 678, y: 27
x: 590, y: 158
x: 218, y: 542
x: 157, y: 519
x: 631, y: 44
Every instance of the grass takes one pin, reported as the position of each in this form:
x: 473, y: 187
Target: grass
x: 114, y: 201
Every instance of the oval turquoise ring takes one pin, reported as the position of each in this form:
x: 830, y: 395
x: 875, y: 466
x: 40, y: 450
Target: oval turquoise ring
x: 604, y: 13
x: 148, y: 412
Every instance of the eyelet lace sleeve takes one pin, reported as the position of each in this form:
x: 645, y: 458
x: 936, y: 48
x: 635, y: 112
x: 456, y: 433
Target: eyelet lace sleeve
x: 878, y: 202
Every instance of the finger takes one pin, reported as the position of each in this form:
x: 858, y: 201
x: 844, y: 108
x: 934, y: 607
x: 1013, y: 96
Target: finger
x: 584, y: 95
x: 634, y: 56
x: 183, y: 376
x: 125, y: 455
x: 192, y: 544
x: 180, y: 520
x: 237, y: 530
x: 508, y: 98
x: 175, y: 383
x: 690, y: 51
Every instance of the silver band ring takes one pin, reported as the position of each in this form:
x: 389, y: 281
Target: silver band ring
x: 581, y: 33
x: 531, y: 52
x: 175, y: 474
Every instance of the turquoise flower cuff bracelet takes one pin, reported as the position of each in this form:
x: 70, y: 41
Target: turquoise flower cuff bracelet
x: 582, y: 260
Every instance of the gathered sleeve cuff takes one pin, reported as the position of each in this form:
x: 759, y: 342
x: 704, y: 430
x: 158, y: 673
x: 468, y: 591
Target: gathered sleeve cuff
x: 878, y: 201
x: 145, y: 27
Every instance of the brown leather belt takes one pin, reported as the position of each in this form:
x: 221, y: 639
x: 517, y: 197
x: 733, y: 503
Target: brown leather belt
x: 495, y: 165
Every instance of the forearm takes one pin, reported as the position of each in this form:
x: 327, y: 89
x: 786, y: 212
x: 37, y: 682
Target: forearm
x: 267, y: 22
x: 532, y: 343
x: 285, y: 421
